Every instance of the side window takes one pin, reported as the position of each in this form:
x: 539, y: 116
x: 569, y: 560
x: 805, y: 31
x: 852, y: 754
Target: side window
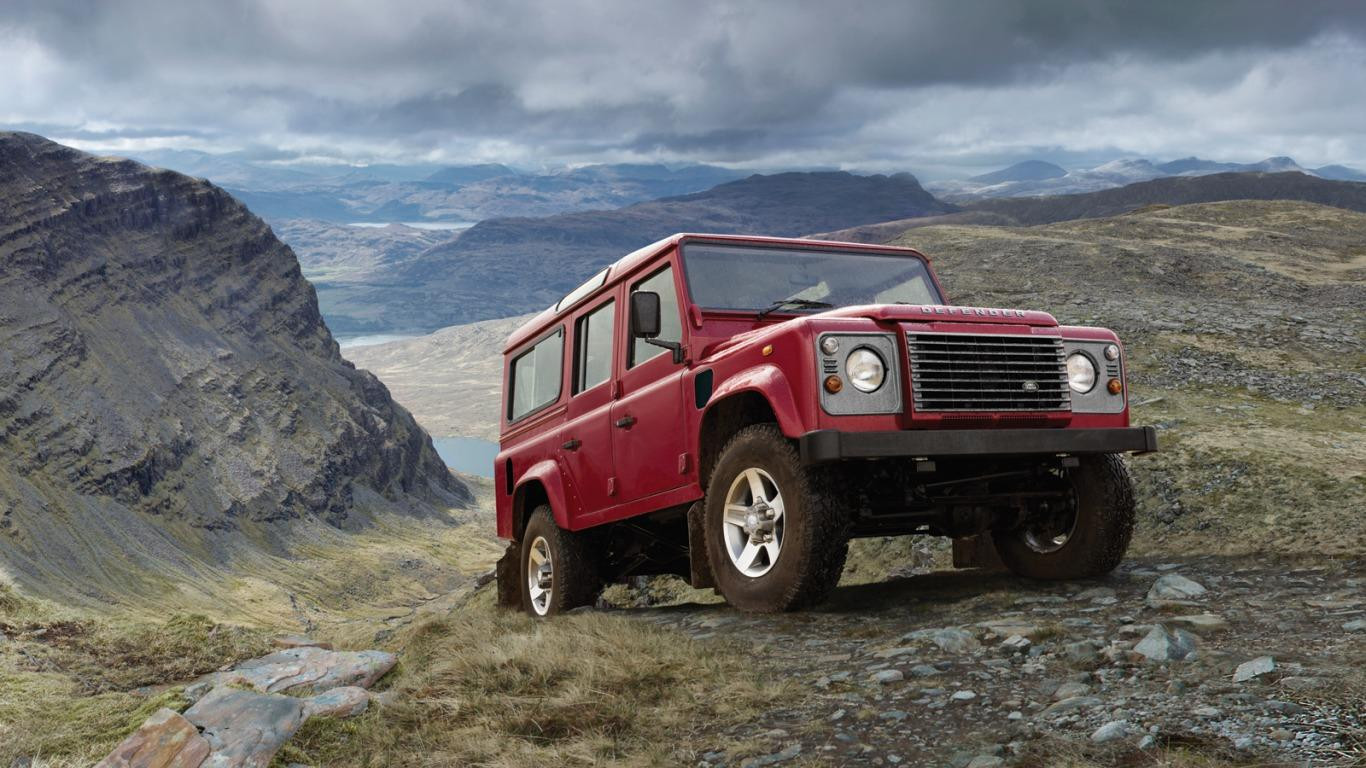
x: 670, y: 328
x: 593, y: 337
x: 536, y: 376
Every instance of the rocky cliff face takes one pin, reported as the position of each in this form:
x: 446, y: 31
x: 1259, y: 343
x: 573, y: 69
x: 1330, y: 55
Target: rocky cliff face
x: 170, y: 391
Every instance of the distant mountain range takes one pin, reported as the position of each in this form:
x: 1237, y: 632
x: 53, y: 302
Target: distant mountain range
x: 507, y: 266
x: 1174, y: 190
x: 1036, y: 177
x: 424, y: 192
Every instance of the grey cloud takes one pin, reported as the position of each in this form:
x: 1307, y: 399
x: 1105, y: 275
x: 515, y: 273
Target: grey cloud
x: 731, y: 81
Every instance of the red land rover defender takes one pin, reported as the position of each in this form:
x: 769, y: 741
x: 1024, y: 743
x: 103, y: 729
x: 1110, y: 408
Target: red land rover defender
x: 734, y: 409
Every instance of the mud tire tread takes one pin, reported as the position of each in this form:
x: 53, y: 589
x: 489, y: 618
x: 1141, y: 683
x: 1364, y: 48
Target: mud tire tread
x: 822, y: 541
x: 577, y: 581
x: 1105, y: 526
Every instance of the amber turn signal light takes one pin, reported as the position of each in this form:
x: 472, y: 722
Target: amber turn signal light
x: 833, y: 384
x: 1114, y: 386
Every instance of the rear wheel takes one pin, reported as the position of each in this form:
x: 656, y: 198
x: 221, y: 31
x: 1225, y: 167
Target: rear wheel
x: 557, y: 567
x: 1086, y: 535
x: 776, y: 539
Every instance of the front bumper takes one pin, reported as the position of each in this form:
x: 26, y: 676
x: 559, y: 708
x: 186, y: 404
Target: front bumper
x: 833, y: 445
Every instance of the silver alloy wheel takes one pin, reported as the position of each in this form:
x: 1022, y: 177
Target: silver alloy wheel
x: 753, y: 523
x: 540, y: 576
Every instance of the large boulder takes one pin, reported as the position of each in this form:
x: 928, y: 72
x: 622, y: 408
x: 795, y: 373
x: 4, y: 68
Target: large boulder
x: 245, y: 728
x: 165, y: 740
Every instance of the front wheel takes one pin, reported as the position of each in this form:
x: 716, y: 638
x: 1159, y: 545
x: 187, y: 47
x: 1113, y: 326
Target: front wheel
x: 1083, y: 537
x: 558, y: 572
x: 776, y: 538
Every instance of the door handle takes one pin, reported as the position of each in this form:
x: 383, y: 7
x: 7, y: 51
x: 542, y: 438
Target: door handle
x: 625, y: 422
x: 571, y: 445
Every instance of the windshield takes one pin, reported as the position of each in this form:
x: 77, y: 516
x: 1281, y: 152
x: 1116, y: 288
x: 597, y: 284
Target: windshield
x: 748, y: 277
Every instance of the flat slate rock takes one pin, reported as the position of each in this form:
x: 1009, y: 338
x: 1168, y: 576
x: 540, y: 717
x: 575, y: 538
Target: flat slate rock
x: 309, y: 670
x: 166, y: 740
x: 245, y: 728
x: 346, y: 701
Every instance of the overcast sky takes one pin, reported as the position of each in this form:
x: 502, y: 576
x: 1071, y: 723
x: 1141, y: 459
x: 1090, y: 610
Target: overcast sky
x: 937, y: 88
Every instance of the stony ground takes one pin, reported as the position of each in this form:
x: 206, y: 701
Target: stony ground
x: 965, y: 668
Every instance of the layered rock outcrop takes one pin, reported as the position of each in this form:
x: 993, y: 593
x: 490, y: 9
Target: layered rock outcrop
x: 170, y: 391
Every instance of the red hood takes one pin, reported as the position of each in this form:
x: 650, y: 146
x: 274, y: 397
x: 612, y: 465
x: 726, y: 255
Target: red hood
x: 941, y: 313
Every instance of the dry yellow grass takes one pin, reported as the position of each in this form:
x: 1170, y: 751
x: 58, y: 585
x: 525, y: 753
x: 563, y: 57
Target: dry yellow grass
x: 486, y: 687
x: 70, y: 683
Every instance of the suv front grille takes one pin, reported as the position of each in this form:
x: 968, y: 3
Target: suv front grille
x: 981, y: 372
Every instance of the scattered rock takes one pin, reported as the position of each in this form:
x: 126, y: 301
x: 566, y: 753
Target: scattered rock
x: 1356, y: 625
x: 1285, y: 707
x: 886, y: 676
x: 1070, y: 690
x: 245, y: 728
x: 1081, y: 652
x: 166, y: 740
x: 1016, y: 643
x: 963, y: 696
x: 1174, y: 586
x: 346, y: 701
x: 1071, y: 705
x: 1111, y: 731
x: 1160, y: 644
x: 1199, y: 621
x: 787, y: 753
x: 955, y: 640
x: 1252, y: 669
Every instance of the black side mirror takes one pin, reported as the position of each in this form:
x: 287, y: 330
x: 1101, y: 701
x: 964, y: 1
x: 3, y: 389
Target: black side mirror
x: 644, y: 314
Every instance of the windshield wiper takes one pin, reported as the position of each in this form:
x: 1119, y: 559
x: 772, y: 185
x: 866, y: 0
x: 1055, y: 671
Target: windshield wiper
x: 794, y: 304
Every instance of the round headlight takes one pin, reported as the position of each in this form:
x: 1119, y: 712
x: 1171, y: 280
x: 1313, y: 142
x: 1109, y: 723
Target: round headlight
x: 830, y: 345
x: 1111, y: 352
x: 865, y: 369
x: 1081, y: 373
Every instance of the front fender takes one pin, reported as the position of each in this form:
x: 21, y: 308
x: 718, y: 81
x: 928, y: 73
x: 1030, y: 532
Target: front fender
x: 547, y: 473
x: 769, y: 382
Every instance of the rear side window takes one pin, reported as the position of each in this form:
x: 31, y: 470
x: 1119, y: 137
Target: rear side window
x: 670, y: 327
x: 536, y: 376
x: 594, y: 339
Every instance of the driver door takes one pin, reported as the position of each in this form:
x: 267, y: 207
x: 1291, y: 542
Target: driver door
x: 647, y: 435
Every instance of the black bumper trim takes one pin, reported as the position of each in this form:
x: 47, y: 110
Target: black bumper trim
x: 832, y: 445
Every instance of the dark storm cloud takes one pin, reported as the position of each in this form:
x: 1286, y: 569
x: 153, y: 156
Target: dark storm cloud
x: 730, y: 81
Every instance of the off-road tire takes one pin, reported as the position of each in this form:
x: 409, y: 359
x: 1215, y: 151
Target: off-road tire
x: 816, y: 529
x: 1105, y: 524
x: 576, y: 581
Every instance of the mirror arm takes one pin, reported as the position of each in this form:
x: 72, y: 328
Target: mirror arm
x: 673, y: 346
